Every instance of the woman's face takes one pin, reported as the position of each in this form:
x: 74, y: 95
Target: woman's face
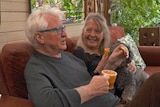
x: 92, y: 36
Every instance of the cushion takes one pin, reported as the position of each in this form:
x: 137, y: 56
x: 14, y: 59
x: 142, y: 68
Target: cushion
x: 14, y: 58
x: 152, y: 69
x: 10, y: 101
x: 116, y: 33
x: 136, y: 55
x: 3, y: 87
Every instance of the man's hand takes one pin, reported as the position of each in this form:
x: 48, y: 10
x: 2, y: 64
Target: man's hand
x: 99, y: 85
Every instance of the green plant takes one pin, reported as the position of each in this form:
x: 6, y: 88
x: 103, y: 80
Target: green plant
x: 33, y: 3
x: 73, y: 9
x: 133, y: 14
x: 51, y: 3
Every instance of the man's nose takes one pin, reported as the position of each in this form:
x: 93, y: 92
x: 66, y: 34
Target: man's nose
x: 64, y: 34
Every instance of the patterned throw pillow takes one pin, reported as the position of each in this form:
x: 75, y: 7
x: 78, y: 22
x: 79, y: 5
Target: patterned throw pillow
x: 136, y: 55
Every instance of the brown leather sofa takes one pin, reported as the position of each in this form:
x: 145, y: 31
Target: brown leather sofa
x: 14, y: 56
x: 12, y: 84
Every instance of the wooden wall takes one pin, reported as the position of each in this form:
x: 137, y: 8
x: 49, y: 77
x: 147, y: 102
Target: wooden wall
x: 13, y: 15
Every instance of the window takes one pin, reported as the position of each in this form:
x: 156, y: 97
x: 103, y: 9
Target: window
x: 75, y: 10
x: 72, y: 9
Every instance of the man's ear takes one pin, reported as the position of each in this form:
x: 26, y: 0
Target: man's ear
x: 38, y: 36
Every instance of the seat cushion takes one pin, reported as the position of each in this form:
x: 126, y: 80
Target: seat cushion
x: 9, y: 101
x: 152, y: 69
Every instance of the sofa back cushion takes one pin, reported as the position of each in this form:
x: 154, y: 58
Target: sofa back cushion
x: 3, y: 87
x: 116, y: 33
x: 14, y: 58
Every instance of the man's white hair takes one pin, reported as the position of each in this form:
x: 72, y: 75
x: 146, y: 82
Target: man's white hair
x: 58, y: 12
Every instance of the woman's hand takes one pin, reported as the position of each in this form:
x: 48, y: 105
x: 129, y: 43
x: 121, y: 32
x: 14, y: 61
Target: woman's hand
x: 119, y: 54
x: 132, y: 67
x: 101, y: 63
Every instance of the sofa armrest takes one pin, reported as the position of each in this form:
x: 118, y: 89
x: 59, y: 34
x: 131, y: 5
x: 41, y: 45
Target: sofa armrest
x: 9, y: 101
x: 150, y: 55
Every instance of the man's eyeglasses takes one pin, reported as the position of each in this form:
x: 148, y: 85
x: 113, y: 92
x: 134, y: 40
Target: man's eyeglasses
x: 59, y: 30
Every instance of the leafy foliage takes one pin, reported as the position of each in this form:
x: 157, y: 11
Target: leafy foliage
x: 133, y: 14
x: 73, y: 8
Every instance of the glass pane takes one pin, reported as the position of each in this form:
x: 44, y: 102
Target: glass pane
x: 72, y: 9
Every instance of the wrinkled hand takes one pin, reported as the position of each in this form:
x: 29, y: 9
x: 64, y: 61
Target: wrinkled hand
x: 132, y: 67
x: 119, y: 54
x: 121, y: 51
x: 99, y: 85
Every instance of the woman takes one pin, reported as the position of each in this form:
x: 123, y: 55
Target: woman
x: 90, y: 48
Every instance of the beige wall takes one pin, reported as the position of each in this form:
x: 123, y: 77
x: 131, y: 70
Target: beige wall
x: 13, y: 16
x: 74, y: 29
